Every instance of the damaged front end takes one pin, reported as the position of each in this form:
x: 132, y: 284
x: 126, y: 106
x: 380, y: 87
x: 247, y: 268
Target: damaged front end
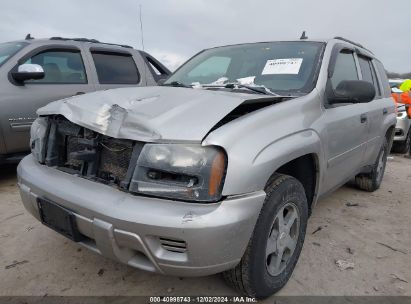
x: 188, y: 172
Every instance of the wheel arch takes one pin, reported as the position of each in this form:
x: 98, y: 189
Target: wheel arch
x: 306, y: 169
x: 249, y: 168
x: 389, y: 135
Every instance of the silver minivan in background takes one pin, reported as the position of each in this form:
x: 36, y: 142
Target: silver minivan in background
x: 218, y: 169
x: 34, y: 72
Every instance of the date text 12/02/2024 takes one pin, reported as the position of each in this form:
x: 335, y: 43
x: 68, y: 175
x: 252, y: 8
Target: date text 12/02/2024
x: 202, y: 299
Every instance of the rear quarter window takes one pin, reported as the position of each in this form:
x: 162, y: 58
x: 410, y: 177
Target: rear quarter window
x: 382, y: 75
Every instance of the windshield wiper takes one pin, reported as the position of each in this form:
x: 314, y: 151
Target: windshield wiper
x: 259, y: 89
x: 235, y: 85
x: 177, y: 84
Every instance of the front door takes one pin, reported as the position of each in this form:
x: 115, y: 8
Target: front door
x: 346, y: 128
x: 65, y: 75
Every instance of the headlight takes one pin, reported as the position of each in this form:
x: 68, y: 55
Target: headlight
x: 186, y: 172
x: 38, y: 138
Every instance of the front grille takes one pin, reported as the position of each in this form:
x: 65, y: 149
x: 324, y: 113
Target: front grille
x: 73, y: 146
x: 115, y: 157
x: 81, y: 151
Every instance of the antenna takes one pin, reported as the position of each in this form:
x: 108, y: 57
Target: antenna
x: 141, y: 28
x: 142, y: 44
x: 28, y: 37
x: 303, y: 36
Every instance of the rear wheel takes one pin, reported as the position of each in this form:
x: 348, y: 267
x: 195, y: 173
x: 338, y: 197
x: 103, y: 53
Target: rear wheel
x: 276, y: 243
x: 372, y: 181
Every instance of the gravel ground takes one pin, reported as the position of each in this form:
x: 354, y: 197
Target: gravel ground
x: 370, y: 230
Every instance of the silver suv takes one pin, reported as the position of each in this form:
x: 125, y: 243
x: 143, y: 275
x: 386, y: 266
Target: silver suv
x: 219, y: 169
x: 34, y: 72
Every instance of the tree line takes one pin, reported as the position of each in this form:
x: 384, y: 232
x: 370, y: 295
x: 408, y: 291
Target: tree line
x: 392, y: 75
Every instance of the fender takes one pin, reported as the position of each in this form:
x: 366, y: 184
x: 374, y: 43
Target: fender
x: 261, y: 142
x: 268, y: 160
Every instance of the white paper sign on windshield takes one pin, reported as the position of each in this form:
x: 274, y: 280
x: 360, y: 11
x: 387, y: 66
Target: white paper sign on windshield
x: 246, y: 80
x: 282, y: 66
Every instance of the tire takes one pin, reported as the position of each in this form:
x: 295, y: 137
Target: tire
x: 255, y: 275
x: 372, y: 181
x: 402, y: 147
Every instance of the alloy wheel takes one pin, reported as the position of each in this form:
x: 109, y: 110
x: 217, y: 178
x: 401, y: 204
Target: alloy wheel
x: 282, y: 240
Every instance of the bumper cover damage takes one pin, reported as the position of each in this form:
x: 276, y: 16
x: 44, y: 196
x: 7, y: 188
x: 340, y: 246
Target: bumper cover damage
x: 158, y: 235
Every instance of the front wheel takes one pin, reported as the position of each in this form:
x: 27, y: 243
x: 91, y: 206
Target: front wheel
x: 277, y: 240
x: 372, y: 181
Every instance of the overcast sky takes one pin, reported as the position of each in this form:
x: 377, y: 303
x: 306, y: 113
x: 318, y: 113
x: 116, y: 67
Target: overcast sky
x: 174, y: 30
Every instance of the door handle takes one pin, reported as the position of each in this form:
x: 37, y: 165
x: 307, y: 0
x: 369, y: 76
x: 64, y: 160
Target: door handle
x: 384, y: 111
x: 363, y: 118
x: 80, y: 93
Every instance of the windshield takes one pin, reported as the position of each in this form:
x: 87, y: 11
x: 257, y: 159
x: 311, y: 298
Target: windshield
x: 288, y: 67
x: 8, y: 49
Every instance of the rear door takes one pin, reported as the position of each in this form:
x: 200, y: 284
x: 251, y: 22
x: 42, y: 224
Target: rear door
x: 65, y: 75
x: 375, y: 109
x: 346, y: 126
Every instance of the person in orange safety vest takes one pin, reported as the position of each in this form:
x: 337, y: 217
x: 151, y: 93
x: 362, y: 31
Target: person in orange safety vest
x: 404, y: 98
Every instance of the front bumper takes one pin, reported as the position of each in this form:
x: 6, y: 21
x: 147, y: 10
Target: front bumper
x: 169, y: 237
x: 401, y: 129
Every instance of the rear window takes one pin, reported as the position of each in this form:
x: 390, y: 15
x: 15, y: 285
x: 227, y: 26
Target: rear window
x: 115, y: 68
x: 8, y: 49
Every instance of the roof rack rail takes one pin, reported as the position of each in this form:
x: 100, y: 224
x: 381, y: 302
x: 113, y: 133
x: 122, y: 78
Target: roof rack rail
x: 90, y: 41
x: 352, y: 42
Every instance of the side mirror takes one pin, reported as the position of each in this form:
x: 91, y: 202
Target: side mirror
x: 353, y: 91
x: 28, y: 71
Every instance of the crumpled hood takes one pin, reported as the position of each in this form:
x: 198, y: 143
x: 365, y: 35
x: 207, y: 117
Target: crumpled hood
x: 153, y: 114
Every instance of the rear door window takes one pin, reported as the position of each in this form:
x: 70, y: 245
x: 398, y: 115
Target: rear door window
x: 368, y: 73
x: 60, y: 66
x: 345, y: 69
x: 115, y: 68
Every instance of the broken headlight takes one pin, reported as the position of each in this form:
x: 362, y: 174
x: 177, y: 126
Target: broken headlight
x: 186, y: 172
x: 38, y: 137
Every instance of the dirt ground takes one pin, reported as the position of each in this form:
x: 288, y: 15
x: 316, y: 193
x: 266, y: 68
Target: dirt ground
x: 370, y: 230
